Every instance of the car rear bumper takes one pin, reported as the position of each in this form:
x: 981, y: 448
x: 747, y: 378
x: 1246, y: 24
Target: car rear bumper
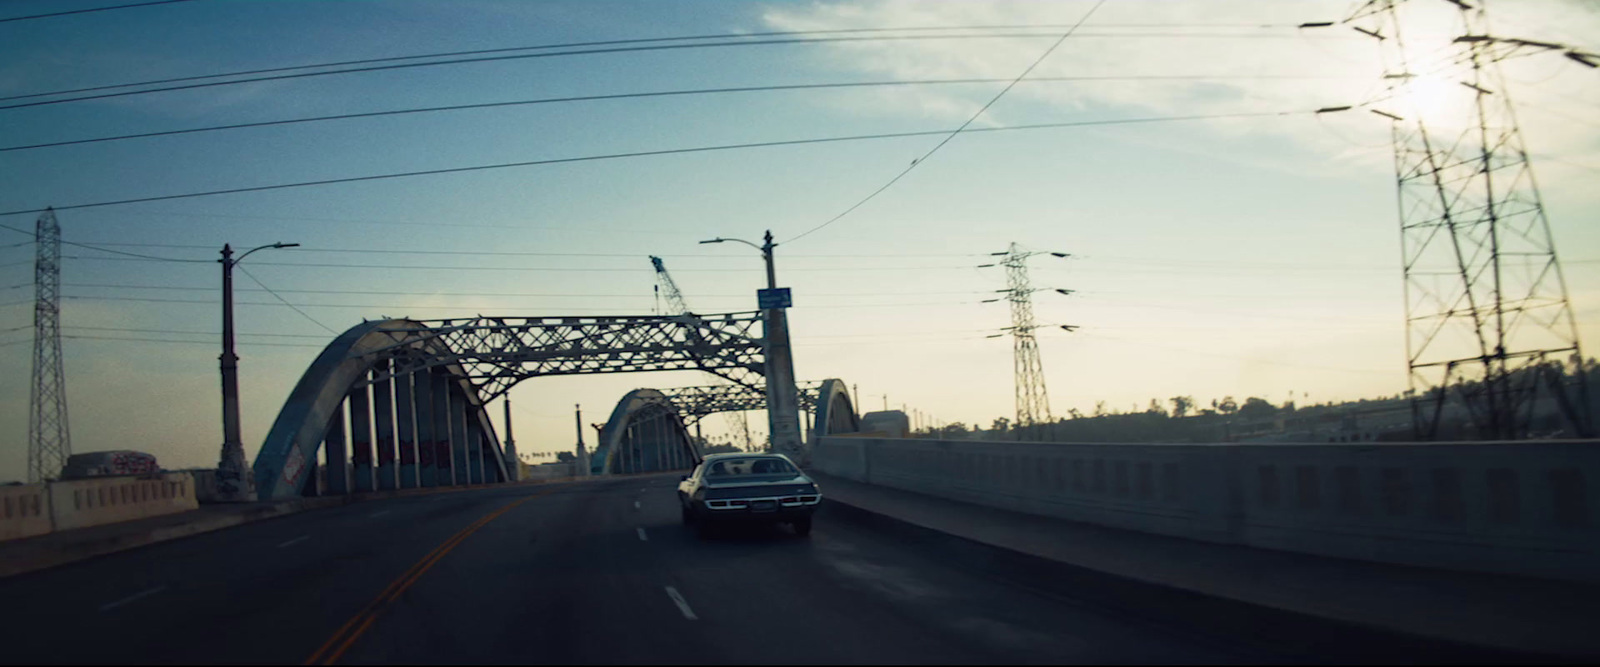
x: 754, y: 511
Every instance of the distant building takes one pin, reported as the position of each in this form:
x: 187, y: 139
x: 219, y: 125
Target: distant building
x: 891, y: 423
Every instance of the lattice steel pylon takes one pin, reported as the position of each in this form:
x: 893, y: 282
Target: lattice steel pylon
x: 1033, y: 404
x: 738, y: 422
x: 49, y: 442
x: 1489, y: 327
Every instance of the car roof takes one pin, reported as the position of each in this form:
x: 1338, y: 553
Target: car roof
x: 713, y: 457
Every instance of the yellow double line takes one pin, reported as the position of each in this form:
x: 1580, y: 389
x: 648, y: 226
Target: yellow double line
x: 334, y: 648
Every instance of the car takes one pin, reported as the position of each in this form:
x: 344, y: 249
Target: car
x: 748, y: 488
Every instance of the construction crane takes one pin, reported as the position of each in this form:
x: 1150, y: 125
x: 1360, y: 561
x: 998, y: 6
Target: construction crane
x: 676, y: 306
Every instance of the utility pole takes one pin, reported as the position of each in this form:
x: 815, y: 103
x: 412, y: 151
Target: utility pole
x: 1032, y: 401
x: 1489, y: 326
x: 49, y: 441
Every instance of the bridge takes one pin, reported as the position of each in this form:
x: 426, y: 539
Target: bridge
x: 431, y: 550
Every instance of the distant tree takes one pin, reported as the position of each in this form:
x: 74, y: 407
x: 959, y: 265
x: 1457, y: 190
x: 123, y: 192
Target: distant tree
x: 721, y: 449
x: 956, y: 430
x: 1288, y: 406
x: 1181, y: 405
x: 1228, y: 405
x: 1257, y: 407
x: 1073, y: 413
x: 565, y: 457
x: 1207, y: 412
x: 1000, y: 424
x: 1156, y: 409
x: 1099, y: 408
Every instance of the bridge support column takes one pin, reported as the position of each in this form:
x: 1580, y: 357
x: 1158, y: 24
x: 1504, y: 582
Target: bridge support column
x: 475, y: 446
x: 422, y: 392
x: 440, y: 388
x: 383, y: 421
x: 361, y: 438
x: 338, y: 470
x: 460, y: 462
x: 405, y: 423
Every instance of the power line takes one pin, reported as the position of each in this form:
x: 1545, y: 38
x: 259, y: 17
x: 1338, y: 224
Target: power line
x: 487, y: 294
x: 92, y: 247
x: 511, y: 253
x: 291, y: 306
x: 622, y: 96
x: 86, y: 11
x: 189, y: 332
x: 524, y: 56
x: 637, y: 154
x: 583, y: 269
x: 402, y: 306
x: 615, y: 42
x: 187, y: 342
x: 958, y: 130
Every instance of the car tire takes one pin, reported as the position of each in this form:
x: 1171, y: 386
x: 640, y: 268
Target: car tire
x: 802, y: 527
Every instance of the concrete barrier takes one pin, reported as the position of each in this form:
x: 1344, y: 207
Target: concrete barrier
x: 1525, y: 508
x: 24, y: 511
x: 91, y: 502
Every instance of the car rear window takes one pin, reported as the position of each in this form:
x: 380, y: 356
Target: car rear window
x: 755, y: 465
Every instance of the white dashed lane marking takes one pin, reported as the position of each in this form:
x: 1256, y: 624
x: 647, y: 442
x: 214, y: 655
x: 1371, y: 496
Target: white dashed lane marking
x: 683, y: 605
x: 294, y: 541
x: 113, y: 605
x: 642, y: 536
x: 375, y: 515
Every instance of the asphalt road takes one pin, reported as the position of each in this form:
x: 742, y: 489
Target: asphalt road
x: 591, y: 572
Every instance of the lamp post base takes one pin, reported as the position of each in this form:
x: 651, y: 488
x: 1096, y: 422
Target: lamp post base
x: 235, y: 481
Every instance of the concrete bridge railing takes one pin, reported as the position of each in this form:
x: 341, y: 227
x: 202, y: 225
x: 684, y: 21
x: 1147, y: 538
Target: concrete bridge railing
x: 35, y: 509
x: 1525, y: 508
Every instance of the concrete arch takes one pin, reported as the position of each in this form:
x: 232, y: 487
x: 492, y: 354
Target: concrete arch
x: 645, y: 433
x: 835, y: 411
x: 434, y: 414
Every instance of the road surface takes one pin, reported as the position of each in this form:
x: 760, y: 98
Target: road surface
x: 599, y: 571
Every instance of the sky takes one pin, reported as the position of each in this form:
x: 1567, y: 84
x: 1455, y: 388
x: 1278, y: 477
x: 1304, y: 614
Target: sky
x: 1251, y: 255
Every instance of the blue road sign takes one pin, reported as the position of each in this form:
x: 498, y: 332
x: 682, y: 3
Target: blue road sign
x: 774, y: 298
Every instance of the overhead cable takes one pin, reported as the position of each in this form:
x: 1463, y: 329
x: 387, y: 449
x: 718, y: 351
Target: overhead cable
x: 637, y: 154
x: 957, y: 131
x: 622, y: 96
x: 762, y: 36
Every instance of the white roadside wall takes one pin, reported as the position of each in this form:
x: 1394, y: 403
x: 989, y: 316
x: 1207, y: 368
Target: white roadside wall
x: 36, y: 509
x: 1527, y: 508
x: 24, y: 511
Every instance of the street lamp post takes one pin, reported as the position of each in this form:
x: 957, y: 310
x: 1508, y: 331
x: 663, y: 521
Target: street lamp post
x: 233, y: 471
x: 783, y: 397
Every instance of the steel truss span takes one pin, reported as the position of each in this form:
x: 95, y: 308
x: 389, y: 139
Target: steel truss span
x: 498, y: 352
x: 413, y: 392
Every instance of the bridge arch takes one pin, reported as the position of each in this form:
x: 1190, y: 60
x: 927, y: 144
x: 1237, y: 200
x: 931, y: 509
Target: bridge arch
x: 429, y: 425
x: 417, y: 390
x: 834, y: 412
x: 645, y: 433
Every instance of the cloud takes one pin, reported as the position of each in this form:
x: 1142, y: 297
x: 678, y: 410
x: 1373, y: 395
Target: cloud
x: 1258, y: 68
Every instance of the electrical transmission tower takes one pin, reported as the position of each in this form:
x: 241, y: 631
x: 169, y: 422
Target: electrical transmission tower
x: 1033, y: 404
x: 1488, y: 322
x: 737, y: 421
x: 49, y: 443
